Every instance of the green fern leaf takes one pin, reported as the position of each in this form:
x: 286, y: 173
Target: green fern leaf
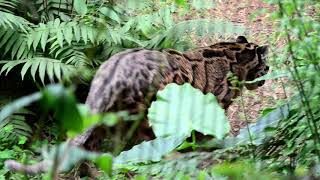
x: 50, y: 71
x: 2, y: 32
x: 23, y: 51
x: 5, y: 6
x: 16, y: 47
x: 11, y: 42
x: 60, y: 38
x: 57, y: 70
x: 77, y: 33
x: 25, y: 68
x: 42, y: 70
x: 84, y: 33
x: 90, y: 34
x: 14, y: 42
x: 30, y: 39
x: 18, y: 126
x: 68, y: 34
x: 5, y: 38
x: 10, y: 21
x: 9, y: 65
x: 44, y: 37
x: 47, y: 66
x: 34, y: 68
x: 36, y: 39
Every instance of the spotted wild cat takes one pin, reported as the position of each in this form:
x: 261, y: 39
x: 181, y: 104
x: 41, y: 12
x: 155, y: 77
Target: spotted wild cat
x: 128, y: 77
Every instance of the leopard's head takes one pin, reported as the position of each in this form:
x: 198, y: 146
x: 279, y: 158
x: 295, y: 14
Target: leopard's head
x: 257, y: 67
x: 248, y: 60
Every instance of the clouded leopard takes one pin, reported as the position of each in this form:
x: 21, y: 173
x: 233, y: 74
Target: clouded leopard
x: 128, y: 77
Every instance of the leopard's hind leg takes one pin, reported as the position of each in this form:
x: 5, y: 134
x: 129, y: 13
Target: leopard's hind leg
x: 108, y: 100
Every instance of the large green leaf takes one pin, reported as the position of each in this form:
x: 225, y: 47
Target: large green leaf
x: 180, y: 109
x: 63, y: 102
x: 150, y: 151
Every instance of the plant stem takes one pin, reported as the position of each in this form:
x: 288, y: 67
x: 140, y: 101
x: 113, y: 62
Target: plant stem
x: 247, y: 125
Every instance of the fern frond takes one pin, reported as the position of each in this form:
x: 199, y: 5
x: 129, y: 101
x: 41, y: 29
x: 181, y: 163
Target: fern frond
x: 65, y: 9
x: 15, y: 125
x: 44, y: 66
x: 204, y: 27
x: 62, y: 33
x: 52, y: 9
x: 7, y: 6
x: 70, y: 54
x: 10, y: 21
x: 16, y: 43
x: 201, y: 27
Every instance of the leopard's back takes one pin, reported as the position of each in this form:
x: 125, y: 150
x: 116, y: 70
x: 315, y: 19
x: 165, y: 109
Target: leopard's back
x: 126, y: 78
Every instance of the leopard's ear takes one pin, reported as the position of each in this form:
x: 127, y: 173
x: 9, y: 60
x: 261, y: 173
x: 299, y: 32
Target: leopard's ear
x: 263, y: 49
x: 241, y: 39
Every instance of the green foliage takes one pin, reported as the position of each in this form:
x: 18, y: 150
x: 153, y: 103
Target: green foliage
x: 259, y: 131
x: 63, y: 103
x: 80, y: 7
x: 62, y: 158
x: 71, y: 155
x: 51, y: 68
x: 16, y: 105
x: 173, y: 166
x: 69, y: 35
x: 59, y: 158
x: 105, y: 163
x: 15, y: 126
x: 296, y: 136
x: 150, y: 151
x: 55, y: 98
x: 272, y: 75
x: 56, y: 40
x: 242, y: 170
x: 12, y: 22
x: 200, y: 112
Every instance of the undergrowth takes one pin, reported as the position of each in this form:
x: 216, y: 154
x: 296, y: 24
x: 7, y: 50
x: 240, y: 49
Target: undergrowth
x: 63, y: 42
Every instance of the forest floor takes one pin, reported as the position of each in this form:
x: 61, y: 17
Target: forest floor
x: 258, y: 30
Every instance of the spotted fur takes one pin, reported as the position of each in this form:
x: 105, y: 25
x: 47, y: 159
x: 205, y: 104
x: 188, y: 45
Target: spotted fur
x: 128, y: 77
